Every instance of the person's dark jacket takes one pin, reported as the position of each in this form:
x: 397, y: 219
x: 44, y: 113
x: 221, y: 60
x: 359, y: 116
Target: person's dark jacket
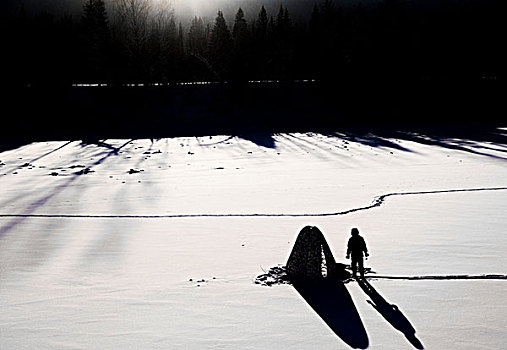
x: 356, y: 247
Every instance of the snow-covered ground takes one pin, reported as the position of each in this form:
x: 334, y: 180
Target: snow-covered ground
x: 155, y: 244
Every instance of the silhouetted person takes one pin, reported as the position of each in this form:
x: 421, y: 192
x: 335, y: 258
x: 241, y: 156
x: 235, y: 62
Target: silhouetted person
x: 356, y: 247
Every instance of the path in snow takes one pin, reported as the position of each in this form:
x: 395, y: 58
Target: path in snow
x: 377, y: 202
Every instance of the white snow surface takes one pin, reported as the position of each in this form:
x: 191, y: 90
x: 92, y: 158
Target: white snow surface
x: 102, y: 260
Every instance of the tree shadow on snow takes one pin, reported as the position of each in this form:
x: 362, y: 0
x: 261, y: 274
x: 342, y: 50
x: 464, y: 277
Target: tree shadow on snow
x: 331, y: 300
x: 484, y: 141
x: 42, y: 201
x: 264, y: 139
x: 391, y: 313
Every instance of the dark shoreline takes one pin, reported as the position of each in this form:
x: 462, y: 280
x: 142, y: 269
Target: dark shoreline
x: 90, y: 113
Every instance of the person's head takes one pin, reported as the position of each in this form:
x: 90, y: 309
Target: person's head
x: 354, y: 232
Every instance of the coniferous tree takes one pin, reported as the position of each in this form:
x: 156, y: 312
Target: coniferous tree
x: 171, y: 35
x: 220, y: 46
x: 287, y: 22
x: 262, y: 25
x: 279, y: 17
x: 240, y: 28
x: 96, y: 37
x: 261, y: 48
x: 240, y: 34
x: 179, y: 69
x: 271, y: 27
x: 95, y: 19
x: 197, y: 41
x: 180, y: 45
x: 313, y: 42
x: 272, y: 46
x: 372, y: 42
x: 169, y: 48
x: 281, y: 50
x: 241, y: 38
x: 314, y: 22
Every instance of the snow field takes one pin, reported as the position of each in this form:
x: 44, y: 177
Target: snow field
x: 187, y: 283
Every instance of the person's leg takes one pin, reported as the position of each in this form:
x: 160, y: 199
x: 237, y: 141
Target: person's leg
x: 361, y: 267
x: 354, y: 266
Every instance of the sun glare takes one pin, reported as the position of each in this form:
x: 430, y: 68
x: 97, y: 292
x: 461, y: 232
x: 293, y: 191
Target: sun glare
x: 184, y: 5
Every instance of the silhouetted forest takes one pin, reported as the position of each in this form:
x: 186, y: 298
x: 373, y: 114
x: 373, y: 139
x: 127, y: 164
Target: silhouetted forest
x: 134, y: 42
x: 393, y: 64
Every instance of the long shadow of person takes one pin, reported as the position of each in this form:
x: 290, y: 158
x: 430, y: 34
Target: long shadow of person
x: 317, y: 278
x: 391, y: 313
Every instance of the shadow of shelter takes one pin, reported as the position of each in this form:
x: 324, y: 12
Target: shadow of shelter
x: 331, y: 300
x: 317, y: 278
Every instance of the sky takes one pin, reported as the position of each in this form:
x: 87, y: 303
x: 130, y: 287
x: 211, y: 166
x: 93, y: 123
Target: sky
x: 183, y: 8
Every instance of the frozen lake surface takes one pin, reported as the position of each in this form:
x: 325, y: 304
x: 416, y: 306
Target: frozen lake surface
x: 155, y: 244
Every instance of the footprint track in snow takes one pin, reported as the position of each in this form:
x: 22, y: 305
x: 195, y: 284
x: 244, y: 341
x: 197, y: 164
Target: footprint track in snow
x: 377, y: 202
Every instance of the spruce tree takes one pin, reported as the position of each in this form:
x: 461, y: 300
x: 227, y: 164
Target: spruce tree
x: 241, y: 47
x: 180, y: 44
x: 96, y: 38
x: 169, y: 51
x: 95, y: 18
x: 314, y: 23
x: 220, y: 46
x: 282, y: 48
x: 262, y: 24
x: 287, y: 22
x: 197, y: 37
x: 260, y: 53
x: 312, y: 53
x: 279, y: 20
x: 240, y: 28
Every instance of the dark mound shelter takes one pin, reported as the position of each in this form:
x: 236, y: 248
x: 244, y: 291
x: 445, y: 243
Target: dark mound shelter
x: 314, y: 274
x: 311, y: 257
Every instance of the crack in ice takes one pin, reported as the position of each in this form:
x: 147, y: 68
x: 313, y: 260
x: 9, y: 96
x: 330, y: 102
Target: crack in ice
x: 377, y: 202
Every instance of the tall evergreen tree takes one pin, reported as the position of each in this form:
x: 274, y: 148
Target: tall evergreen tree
x: 283, y: 25
x: 261, y: 45
x: 240, y: 28
x: 287, y: 22
x: 262, y: 24
x: 220, y: 46
x: 95, y: 16
x: 96, y: 38
x: 241, y: 38
x: 171, y: 33
x: 313, y: 24
x: 179, y: 71
x: 169, y: 48
x: 282, y: 46
x: 197, y: 40
x: 312, y: 52
x: 279, y: 21
x: 180, y: 44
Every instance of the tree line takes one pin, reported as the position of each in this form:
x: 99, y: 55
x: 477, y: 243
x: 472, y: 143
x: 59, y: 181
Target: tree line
x: 135, y: 41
